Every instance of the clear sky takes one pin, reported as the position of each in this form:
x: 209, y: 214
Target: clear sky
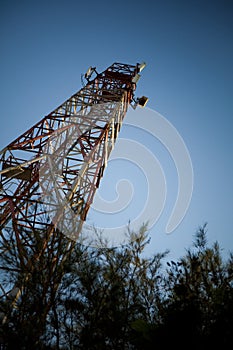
x: 188, y: 47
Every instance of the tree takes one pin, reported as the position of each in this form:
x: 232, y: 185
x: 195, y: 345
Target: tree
x: 198, y: 305
x: 105, y: 298
x: 32, y: 279
x: 108, y: 289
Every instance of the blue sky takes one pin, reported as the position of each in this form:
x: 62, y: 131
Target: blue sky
x: 188, y: 47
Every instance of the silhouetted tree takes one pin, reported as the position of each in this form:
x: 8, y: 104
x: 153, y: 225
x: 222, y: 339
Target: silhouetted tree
x: 32, y: 279
x: 117, y: 298
x: 106, y: 291
x: 198, y: 303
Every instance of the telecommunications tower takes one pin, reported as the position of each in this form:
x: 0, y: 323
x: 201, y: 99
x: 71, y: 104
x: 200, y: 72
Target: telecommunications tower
x: 49, y: 174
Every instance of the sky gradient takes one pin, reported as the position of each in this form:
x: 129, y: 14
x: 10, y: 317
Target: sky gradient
x: 188, y: 47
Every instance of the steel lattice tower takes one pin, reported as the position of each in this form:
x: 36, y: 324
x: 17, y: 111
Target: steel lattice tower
x: 76, y: 138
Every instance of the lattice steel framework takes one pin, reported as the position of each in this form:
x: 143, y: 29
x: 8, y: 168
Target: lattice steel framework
x: 74, y: 142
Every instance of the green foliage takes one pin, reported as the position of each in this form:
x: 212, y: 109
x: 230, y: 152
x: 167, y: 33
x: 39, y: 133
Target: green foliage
x: 119, y: 299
